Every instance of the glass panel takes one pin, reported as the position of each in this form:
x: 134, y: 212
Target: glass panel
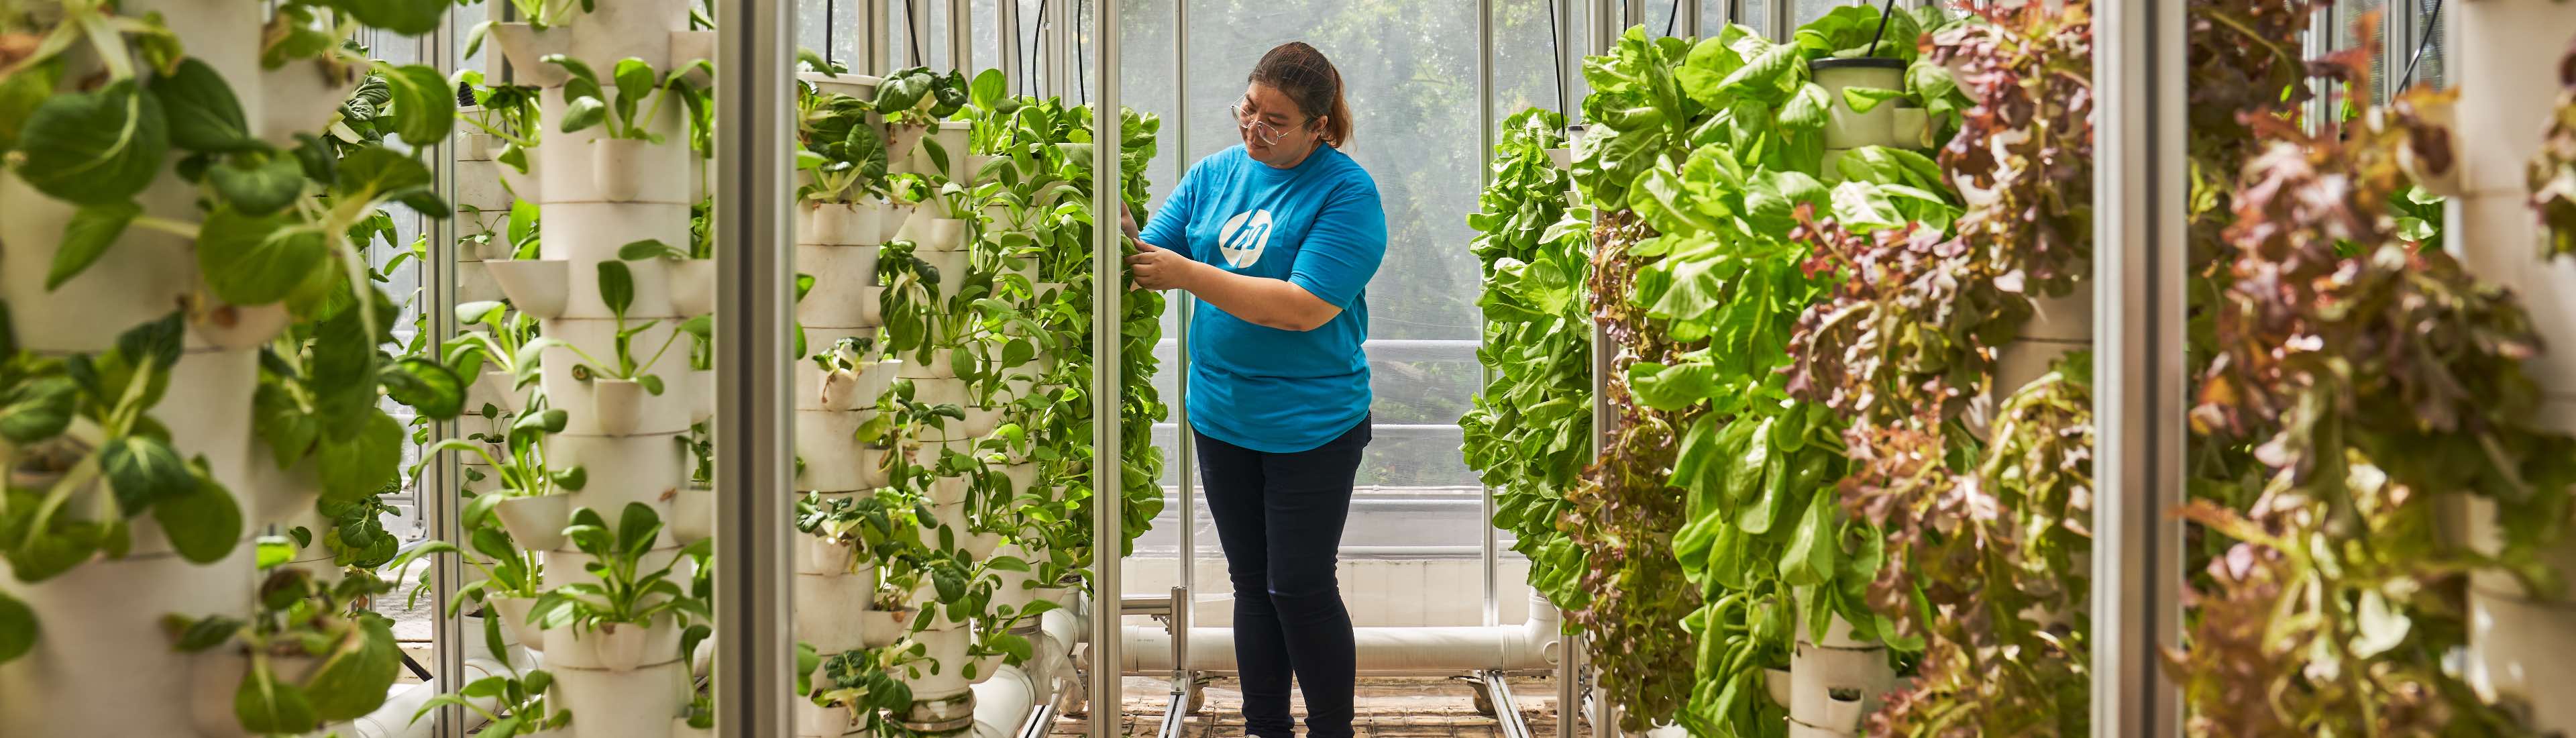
x: 814, y: 25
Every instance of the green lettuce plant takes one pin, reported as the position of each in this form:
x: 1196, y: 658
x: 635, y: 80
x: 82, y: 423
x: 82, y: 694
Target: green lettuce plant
x: 300, y: 620
x: 633, y: 99
x: 625, y: 591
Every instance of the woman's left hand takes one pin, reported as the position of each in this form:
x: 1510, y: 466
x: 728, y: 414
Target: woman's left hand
x: 1159, y: 269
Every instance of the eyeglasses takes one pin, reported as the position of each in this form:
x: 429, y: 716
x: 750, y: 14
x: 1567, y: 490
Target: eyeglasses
x: 1261, y: 129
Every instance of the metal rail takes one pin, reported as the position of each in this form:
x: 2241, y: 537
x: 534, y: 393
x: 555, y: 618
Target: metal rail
x: 439, y: 472
x: 1108, y: 390
x: 2138, y: 316
x: 755, y: 648
x: 1507, y: 713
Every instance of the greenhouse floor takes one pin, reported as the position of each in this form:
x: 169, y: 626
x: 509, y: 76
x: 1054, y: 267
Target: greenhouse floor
x: 1387, y: 708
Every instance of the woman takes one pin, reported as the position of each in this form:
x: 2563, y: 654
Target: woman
x: 1279, y: 237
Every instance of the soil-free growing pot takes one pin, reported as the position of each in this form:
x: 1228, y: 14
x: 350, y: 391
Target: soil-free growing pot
x: 514, y: 614
x: 947, y: 390
x: 820, y: 556
x: 693, y: 286
x: 852, y: 390
x: 945, y: 644
x: 239, y: 327
x: 621, y: 704
x: 842, y: 224
x: 528, y: 185
x: 536, y: 523
x: 890, y: 222
x: 980, y: 420
x: 1777, y: 682
x: 614, y: 646
x: 616, y: 403
x: 538, y: 287
x: 668, y: 412
x: 845, y: 291
x: 1848, y: 129
x: 901, y: 139
x: 689, y: 47
x: 835, y: 461
x: 693, y: 513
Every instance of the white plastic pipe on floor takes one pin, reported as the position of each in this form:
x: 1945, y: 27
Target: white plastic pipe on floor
x: 1390, y: 651
x: 1002, y: 703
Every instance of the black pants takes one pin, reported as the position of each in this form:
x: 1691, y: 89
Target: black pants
x: 1280, y: 518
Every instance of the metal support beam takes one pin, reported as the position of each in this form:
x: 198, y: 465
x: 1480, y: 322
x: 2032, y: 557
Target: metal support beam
x: 1108, y: 374
x: 875, y: 36
x: 961, y: 36
x: 1491, y: 540
x: 1507, y: 713
x: 755, y: 650
x: 440, y: 474
x: 2138, y: 374
x: 1781, y: 18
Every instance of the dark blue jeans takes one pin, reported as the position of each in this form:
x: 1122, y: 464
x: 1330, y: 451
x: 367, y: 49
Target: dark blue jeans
x: 1280, y: 518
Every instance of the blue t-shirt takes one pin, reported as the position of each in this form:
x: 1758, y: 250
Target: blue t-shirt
x: 1319, y: 226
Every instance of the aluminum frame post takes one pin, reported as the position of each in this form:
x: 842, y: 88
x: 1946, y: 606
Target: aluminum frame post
x: 1108, y: 293
x: 874, y: 35
x: 1776, y: 24
x: 755, y: 648
x: 2139, y: 276
x: 439, y: 473
x: 1491, y: 542
x: 961, y: 36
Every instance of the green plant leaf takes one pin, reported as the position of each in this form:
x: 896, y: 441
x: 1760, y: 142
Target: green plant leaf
x: 204, y: 524
x: 203, y: 114
x: 423, y: 103
x: 258, y: 186
x: 91, y: 231
x: 265, y: 704
x: 18, y: 629
x: 256, y: 260
x: 583, y: 113
x: 143, y: 471
x: 430, y: 388
x: 355, y: 467
x: 1865, y: 99
x: 353, y: 678
x: 95, y: 148
x: 37, y: 409
x: 375, y: 172
x: 616, y: 287
x: 21, y: 92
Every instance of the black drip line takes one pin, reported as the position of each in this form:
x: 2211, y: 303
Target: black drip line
x: 1556, y: 43
x: 1036, y: 42
x: 1081, y: 76
x: 912, y: 32
x: 2431, y: 20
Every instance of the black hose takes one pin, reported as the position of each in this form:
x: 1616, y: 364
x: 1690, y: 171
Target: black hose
x: 2420, y: 46
x: 1555, y: 43
x: 1884, y: 11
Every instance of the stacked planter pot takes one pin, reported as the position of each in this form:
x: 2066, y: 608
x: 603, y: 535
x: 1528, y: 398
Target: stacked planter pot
x: 1833, y: 683
x: 835, y: 597
x: 2517, y: 640
x: 596, y: 194
x: 101, y: 642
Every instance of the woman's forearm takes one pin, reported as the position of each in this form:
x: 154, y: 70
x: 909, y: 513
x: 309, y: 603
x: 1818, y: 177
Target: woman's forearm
x: 1272, y: 303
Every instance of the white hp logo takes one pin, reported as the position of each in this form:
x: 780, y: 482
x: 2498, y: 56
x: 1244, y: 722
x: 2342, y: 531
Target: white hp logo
x: 1243, y: 238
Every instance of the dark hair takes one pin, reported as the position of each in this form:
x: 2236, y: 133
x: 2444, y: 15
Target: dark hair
x: 1304, y: 75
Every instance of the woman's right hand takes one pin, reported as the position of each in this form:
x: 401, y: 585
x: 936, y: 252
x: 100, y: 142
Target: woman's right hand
x: 1159, y: 269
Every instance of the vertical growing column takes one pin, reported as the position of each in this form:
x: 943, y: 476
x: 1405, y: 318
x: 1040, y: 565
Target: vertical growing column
x: 620, y: 288
x: 2507, y: 96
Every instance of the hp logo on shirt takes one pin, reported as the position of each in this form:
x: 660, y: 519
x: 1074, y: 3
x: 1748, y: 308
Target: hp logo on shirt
x: 1244, y: 237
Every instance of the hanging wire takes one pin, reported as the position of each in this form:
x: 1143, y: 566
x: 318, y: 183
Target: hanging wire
x: 1670, y: 21
x: 1556, y: 44
x: 1884, y: 11
x: 1040, y: 46
x: 912, y: 32
x: 2430, y: 21
x: 1081, y: 78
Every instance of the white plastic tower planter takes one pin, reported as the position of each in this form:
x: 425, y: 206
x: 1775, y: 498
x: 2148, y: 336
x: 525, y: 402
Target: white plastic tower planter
x: 2504, y: 51
x: 538, y: 287
x: 535, y: 523
x: 1887, y: 124
x: 1836, y: 681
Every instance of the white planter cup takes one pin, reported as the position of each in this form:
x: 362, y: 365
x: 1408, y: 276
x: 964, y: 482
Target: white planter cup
x: 702, y: 394
x: 945, y: 644
x: 133, y: 282
x: 890, y: 221
x: 538, y: 287
x: 841, y: 224
x: 680, y: 729
x: 616, y: 405
x: 693, y: 286
x: 668, y: 412
x: 614, y: 646
x: 535, y: 523
x: 693, y: 514
x: 528, y: 185
x: 834, y: 459
x: 845, y: 293
x: 980, y: 420
x: 689, y: 47
x: 902, y: 139
x: 852, y: 390
x: 498, y: 389
x: 1878, y: 127
x: 514, y: 615
x: 826, y: 557
x: 524, y: 46
x: 239, y: 328
x: 621, y: 704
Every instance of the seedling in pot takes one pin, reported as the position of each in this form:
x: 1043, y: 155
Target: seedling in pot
x: 346, y: 653
x: 625, y: 592
x: 634, y: 100
x: 617, y: 289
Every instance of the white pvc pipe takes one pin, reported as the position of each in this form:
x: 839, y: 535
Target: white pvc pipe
x: 1421, y: 650
x: 1003, y: 702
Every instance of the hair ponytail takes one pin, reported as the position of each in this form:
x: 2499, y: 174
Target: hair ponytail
x: 1305, y: 76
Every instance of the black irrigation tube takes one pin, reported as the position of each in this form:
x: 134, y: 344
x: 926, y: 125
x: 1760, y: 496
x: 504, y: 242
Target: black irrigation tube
x: 1556, y: 62
x: 2430, y: 20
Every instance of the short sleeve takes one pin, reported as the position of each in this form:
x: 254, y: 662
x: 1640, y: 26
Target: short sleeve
x: 1343, y: 247
x: 1169, y: 227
